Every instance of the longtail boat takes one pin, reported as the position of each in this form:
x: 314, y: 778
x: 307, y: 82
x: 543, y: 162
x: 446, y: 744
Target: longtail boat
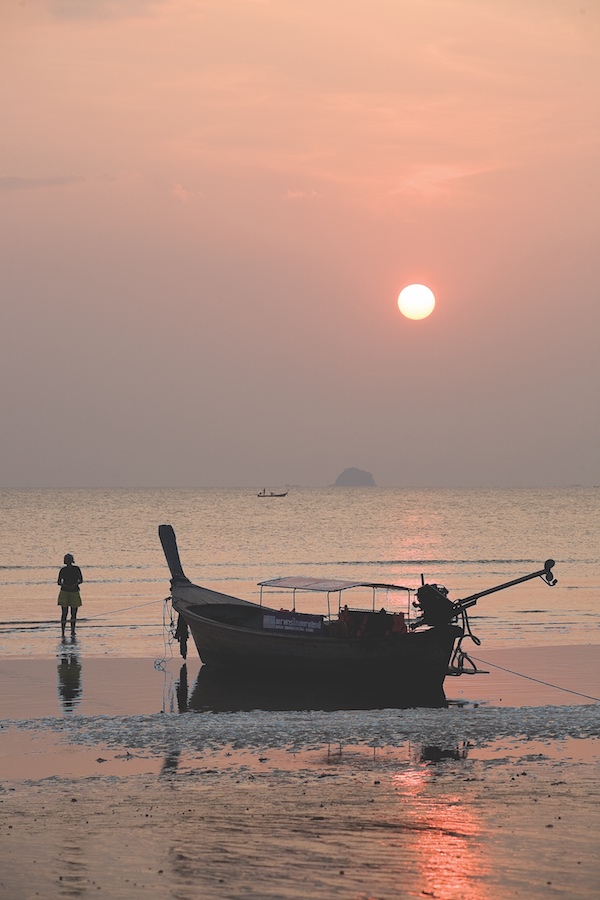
x: 385, y: 652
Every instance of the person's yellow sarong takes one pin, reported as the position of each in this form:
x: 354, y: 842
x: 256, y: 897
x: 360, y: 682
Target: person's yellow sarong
x: 69, y: 598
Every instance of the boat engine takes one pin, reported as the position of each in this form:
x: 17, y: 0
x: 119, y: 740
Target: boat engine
x: 435, y: 607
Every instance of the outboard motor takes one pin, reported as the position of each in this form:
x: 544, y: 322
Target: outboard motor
x: 436, y: 608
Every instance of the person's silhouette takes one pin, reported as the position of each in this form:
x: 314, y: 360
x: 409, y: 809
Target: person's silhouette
x: 69, y: 579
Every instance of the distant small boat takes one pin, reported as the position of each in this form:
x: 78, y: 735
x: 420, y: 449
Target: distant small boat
x: 266, y: 493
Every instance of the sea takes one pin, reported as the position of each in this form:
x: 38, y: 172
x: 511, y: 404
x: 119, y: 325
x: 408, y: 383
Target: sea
x: 230, y: 539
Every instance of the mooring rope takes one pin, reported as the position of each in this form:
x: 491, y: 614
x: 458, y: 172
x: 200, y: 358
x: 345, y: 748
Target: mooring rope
x: 168, y: 625
x: 46, y: 624
x: 537, y: 680
x: 114, y: 612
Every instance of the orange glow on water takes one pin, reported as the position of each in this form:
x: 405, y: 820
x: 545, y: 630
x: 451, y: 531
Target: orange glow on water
x: 447, y: 852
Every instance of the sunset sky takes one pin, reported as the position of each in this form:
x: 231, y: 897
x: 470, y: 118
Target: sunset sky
x: 209, y: 208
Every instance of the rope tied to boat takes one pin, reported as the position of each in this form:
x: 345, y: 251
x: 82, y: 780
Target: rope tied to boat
x: 539, y: 681
x: 462, y: 664
x: 168, y: 631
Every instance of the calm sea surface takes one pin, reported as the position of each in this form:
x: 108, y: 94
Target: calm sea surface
x: 229, y: 539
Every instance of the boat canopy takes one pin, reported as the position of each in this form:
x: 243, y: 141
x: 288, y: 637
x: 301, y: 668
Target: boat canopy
x: 326, y: 585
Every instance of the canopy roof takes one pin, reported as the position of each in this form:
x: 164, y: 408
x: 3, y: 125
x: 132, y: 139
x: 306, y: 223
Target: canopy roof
x: 326, y: 585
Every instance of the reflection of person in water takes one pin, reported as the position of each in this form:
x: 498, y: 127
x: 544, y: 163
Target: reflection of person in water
x: 69, y: 680
x: 69, y: 579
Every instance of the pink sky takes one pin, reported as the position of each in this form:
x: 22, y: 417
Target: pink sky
x: 208, y: 211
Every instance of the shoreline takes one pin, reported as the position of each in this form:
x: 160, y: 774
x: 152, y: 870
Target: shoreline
x: 138, y: 709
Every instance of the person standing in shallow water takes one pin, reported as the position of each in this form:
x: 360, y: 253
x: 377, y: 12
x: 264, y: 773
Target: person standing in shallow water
x: 69, y: 579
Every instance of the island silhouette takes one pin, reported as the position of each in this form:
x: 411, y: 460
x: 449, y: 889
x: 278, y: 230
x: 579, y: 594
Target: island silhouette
x: 355, y: 478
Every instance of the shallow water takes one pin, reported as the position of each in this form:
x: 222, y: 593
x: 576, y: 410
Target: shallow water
x: 468, y: 540
x: 340, y: 821
x: 295, y: 731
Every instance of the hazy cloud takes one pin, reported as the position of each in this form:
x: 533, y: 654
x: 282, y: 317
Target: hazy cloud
x: 435, y: 181
x: 298, y: 195
x: 180, y: 193
x: 99, y: 9
x: 15, y: 183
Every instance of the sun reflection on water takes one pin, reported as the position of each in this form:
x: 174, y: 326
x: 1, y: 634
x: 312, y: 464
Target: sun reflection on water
x: 447, y: 852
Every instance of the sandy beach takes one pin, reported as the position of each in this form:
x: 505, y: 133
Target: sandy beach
x: 111, y: 792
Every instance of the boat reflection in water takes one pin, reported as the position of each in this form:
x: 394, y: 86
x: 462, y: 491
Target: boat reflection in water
x: 220, y: 691
x: 69, y: 677
x: 181, y: 690
x: 432, y: 754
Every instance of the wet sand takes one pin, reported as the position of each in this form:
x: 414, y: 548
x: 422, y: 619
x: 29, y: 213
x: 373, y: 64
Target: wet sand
x: 118, y: 795
x: 49, y: 686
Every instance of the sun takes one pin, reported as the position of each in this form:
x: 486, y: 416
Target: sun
x: 416, y: 301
